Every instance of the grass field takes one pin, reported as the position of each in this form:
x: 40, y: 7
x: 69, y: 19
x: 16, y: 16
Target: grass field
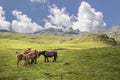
x: 79, y: 58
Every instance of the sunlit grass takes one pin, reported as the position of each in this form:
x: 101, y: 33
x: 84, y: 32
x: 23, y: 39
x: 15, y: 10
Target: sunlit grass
x: 79, y: 58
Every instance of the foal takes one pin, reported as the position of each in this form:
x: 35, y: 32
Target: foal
x: 20, y: 57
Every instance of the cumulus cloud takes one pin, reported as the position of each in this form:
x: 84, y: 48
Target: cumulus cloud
x: 24, y: 24
x: 58, y: 18
x: 39, y: 1
x: 88, y: 19
x: 3, y: 23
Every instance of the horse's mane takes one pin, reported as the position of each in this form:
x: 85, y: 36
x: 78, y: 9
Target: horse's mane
x: 42, y: 52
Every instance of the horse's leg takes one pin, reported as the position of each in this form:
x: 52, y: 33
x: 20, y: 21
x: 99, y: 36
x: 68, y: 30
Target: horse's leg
x: 18, y: 62
x: 54, y: 59
x: 27, y: 61
x: 47, y: 59
x: 32, y: 60
x: 35, y: 60
x: 44, y: 59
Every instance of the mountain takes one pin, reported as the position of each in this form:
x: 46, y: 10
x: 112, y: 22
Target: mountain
x: 71, y: 31
x: 4, y: 30
x: 59, y: 31
x: 50, y: 31
x: 114, y: 32
x: 102, y: 38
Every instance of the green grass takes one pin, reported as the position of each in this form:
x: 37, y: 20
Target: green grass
x: 79, y: 58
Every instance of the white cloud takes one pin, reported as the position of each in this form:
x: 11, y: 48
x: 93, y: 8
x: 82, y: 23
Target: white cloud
x: 58, y: 18
x: 49, y: 25
x: 24, y: 24
x: 39, y: 1
x: 3, y: 23
x: 88, y: 19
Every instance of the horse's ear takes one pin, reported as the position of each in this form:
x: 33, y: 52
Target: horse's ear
x: 29, y: 48
x: 17, y: 52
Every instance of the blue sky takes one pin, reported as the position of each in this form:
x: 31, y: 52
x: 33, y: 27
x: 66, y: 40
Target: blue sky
x: 42, y: 13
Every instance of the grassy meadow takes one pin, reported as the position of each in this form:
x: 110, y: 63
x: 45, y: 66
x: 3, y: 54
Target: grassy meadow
x: 79, y: 58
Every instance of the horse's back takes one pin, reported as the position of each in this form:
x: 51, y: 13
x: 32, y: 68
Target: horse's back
x: 33, y: 53
x: 51, y: 53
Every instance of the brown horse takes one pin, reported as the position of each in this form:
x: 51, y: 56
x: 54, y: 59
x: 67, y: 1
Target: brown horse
x: 20, y: 57
x: 33, y: 55
x: 30, y: 53
x: 27, y: 51
x: 48, y: 54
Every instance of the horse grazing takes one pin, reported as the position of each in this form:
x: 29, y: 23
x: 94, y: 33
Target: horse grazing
x: 48, y: 54
x: 33, y: 55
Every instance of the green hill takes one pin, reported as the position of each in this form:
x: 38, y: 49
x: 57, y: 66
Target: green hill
x: 88, y: 57
x: 46, y: 41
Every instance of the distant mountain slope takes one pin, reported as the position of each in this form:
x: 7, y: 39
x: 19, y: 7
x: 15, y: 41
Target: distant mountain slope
x: 3, y: 30
x: 100, y: 38
x: 114, y: 32
x: 59, y: 31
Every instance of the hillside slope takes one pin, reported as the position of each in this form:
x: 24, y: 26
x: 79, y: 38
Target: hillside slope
x: 86, y: 57
x: 114, y: 32
x: 46, y: 41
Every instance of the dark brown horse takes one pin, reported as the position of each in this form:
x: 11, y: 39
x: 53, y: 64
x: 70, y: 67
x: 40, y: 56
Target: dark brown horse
x: 48, y: 54
x: 33, y: 55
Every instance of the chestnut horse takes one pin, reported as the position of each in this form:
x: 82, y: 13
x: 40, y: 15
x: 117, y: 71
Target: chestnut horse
x: 33, y: 55
x: 48, y: 54
x: 27, y: 51
x: 20, y: 57
x: 30, y: 52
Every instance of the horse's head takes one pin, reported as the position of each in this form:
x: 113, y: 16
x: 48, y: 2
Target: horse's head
x: 41, y: 53
x: 17, y: 52
x: 19, y: 55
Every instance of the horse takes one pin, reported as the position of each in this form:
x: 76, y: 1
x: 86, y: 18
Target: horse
x: 27, y: 51
x: 30, y: 52
x: 33, y: 55
x: 48, y: 54
x: 20, y: 57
